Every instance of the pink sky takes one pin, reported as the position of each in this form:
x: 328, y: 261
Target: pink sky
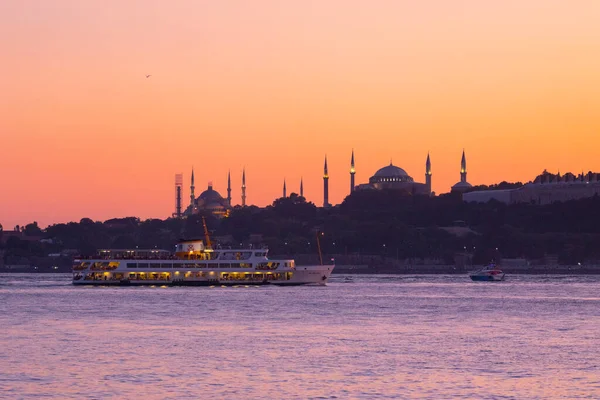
x: 274, y: 86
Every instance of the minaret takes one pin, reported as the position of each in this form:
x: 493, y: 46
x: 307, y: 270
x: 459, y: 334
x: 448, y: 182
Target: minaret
x: 284, y: 190
x: 463, y: 168
x: 352, y: 172
x: 229, y: 188
x: 325, y: 185
x: 301, y: 187
x: 428, y: 174
x: 244, y: 187
x: 192, y: 196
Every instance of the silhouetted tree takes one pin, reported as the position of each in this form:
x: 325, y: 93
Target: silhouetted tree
x: 32, y: 229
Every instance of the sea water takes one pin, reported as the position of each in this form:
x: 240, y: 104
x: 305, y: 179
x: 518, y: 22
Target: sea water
x: 361, y: 336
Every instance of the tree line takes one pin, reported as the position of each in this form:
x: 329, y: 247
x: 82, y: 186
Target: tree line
x: 387, y: 223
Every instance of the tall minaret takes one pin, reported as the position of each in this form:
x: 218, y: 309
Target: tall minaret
x: 325, y: 185
x: 428, y: 174
x: 192, y: 187
x: 284, y: 190
x: 229, y: 188
x: 352, y: 172
x: 244, y: 187
x: 463, y: 168
x: 301, y: 187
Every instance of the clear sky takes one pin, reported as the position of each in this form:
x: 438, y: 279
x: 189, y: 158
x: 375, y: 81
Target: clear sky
x: 274, y: 86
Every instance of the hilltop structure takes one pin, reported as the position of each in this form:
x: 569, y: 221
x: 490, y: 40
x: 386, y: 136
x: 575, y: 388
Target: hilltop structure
x: 244, y: 187
x: 210, y: 200
x: 352, y: 172
x: 325, y: 186
x: 546, y: 188
x: 462, y: 186
x: 395, y: 178
x: 388, y: 177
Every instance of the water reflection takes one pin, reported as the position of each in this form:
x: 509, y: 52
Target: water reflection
x: 387, y: 337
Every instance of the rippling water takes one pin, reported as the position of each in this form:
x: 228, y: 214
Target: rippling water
x: 360, y: 337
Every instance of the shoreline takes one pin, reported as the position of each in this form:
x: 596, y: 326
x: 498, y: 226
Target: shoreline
x: 453, y: 270
x: 409, y: 270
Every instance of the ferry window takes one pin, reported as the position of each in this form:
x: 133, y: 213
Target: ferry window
x: 80, y: 266
x: 142, y: 265
x: 166, y: 265
x: 235, y: 265
x: 203, y: 265
x: 224, y: 265
x: 131, y: 265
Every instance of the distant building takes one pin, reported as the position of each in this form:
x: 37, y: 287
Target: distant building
x: 462, y: 186
x: 395, y: 178
x: 17, y: 267
x: 326, y: 186
x: 210, y: 200
x: 6, y: 235
x: 546, y: 188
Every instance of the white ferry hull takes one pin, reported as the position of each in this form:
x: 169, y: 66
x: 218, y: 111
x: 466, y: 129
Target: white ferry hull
x: 301, y: 275
x: 309, y: 275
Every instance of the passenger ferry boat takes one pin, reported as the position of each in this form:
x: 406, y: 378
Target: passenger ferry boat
x: 194, y: 264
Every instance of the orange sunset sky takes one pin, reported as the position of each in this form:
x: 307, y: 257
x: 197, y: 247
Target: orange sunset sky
x: 274, y: 86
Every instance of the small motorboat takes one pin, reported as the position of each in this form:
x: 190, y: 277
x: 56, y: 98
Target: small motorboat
x: 490, y: 272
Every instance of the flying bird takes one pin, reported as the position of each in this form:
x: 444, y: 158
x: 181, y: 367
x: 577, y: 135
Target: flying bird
x: 148, y: 76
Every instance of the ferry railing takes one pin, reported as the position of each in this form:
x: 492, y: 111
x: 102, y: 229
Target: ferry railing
x: 121, y: 257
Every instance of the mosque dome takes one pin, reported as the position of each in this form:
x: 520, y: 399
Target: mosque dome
x: 390, y: 171
x: 210, y: 196
x: 461, y: 187
x: 390, y: 176
x: 210, y: 200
